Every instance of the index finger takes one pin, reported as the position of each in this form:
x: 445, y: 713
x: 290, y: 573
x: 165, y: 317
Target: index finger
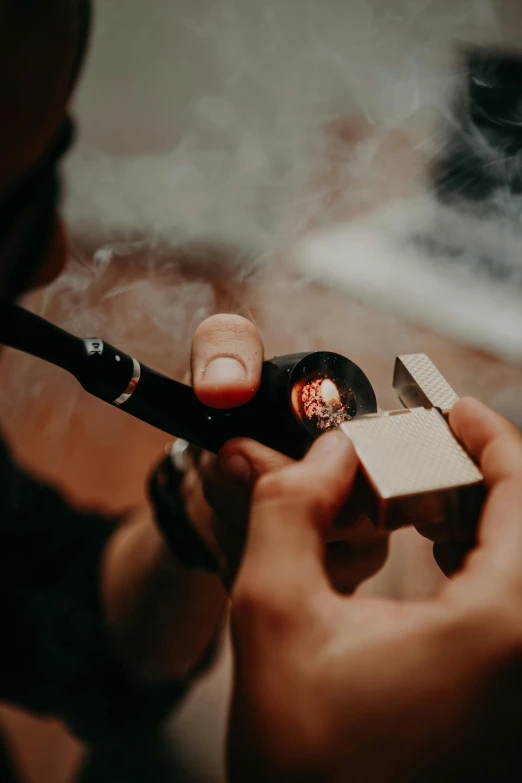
x: 226, y: 361
x: 284, y: 559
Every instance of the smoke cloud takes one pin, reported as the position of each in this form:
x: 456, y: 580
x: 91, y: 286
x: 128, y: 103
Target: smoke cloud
x: 229, y: 152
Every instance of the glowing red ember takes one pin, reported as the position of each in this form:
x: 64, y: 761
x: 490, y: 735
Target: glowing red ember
x: 322, y: 404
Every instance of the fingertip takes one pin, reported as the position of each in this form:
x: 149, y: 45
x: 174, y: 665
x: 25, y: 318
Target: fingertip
x: 226, y: 392
x: 336, y: 439
x: 227, y: 357
x: 465, y: 408
x: 328, y: 473
x: 450, y: 556
x: 469, y: 402
x: 259, y: 458
x: 336, y: 447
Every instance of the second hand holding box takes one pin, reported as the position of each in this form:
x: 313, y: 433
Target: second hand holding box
x: 413, y: 470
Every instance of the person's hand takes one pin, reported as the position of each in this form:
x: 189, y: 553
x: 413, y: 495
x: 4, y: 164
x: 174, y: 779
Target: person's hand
x: 333, y: 688
x: 450, y: 546
x: 227, y: 356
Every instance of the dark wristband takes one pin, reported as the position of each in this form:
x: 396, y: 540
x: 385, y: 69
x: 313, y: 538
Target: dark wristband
x: 165, y: 492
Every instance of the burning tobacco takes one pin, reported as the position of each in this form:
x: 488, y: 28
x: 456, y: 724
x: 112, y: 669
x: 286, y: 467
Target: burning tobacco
x: 324, y: 406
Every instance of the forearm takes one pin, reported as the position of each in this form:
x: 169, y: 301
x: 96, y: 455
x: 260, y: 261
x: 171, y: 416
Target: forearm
x: 162, y: 616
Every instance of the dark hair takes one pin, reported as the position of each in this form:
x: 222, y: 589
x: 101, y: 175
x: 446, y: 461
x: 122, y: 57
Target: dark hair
x: 85, y: 14
x: 42, y: 183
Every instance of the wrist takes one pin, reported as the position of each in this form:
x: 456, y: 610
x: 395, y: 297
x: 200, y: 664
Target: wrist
x: 172, y: 517
x: 162, y: 616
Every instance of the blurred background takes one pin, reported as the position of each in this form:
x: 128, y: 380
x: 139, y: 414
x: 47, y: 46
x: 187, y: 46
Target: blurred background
x: 347, y: 175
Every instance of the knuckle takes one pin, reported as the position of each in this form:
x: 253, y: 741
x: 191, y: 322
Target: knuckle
x: 255, y: 603
x: 317, y: 499
x: 237, y: 447
x: 246, y: 599
x: 319, y: 503
x: 278, y: 485
x: 507, y: 438
x: 293, y: 486
x: 501, y: 464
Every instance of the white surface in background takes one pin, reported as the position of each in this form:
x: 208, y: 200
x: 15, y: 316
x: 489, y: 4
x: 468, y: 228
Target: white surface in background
x: 374, y: 261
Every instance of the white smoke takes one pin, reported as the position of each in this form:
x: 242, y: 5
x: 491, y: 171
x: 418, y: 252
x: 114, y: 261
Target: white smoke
x: 213, y: 137
x: 233, y: 122
x: 202, y: 120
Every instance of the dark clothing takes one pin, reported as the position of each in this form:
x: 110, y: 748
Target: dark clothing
x: 40, y: 187
x: 7, y: 773
x: 55, y: 654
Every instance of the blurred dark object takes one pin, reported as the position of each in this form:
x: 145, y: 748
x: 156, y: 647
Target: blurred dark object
x: 495, y: 99
x: 145, y: 761
x: 485, y: 139
x: 7, y: 772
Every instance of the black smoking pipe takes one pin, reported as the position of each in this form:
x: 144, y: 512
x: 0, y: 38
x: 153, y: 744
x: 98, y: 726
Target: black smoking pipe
x: 291, y: 408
